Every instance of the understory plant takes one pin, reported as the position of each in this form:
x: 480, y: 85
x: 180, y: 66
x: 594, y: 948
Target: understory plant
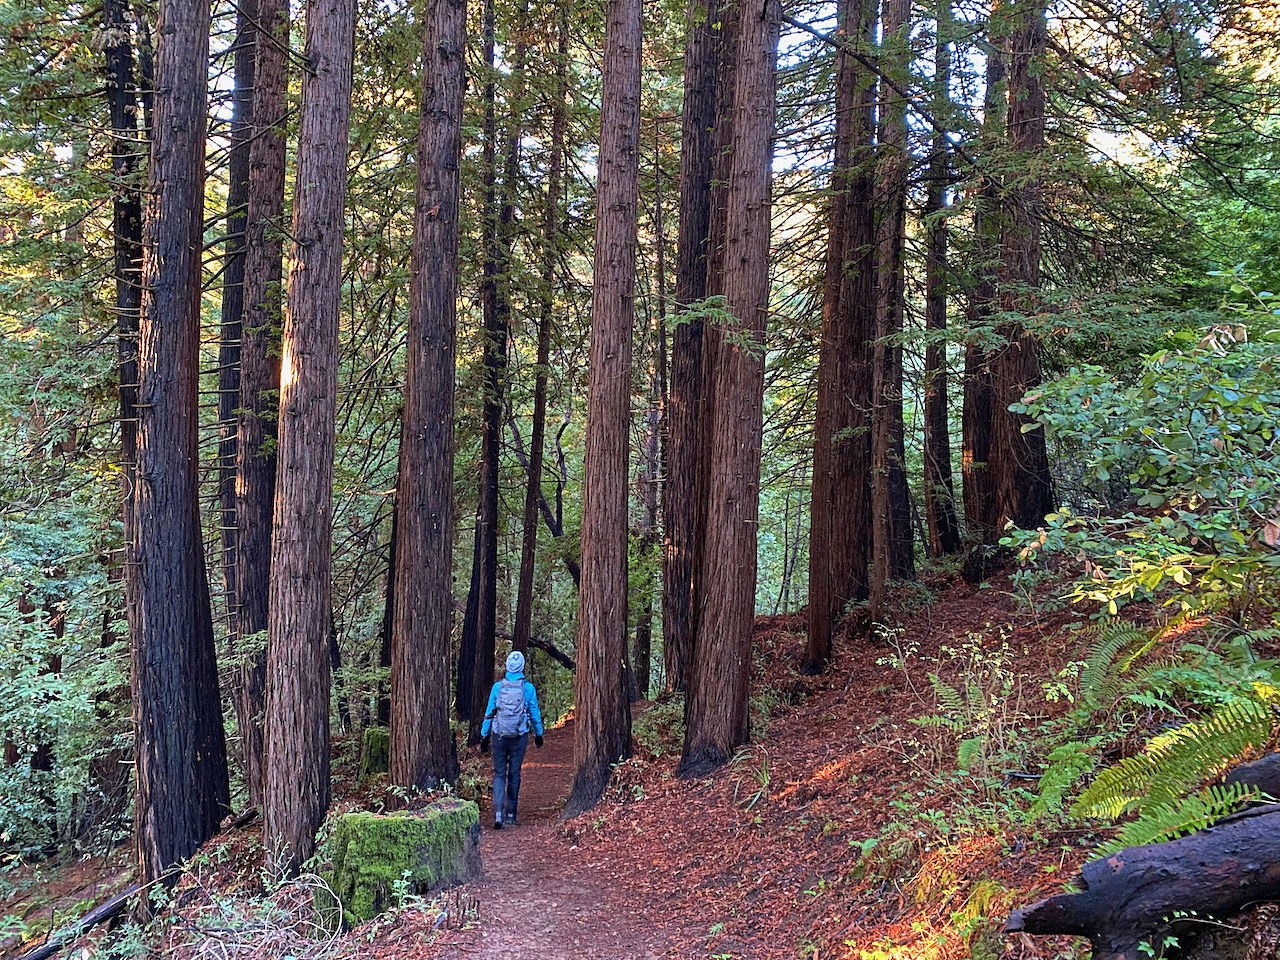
x: 1192, y: 445
x: 1213, y: 706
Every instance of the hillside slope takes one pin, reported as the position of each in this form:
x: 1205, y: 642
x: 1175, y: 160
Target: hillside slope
x: 878, y: 814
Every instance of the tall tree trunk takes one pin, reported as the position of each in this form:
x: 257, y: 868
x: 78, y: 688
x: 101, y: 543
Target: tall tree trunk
x: 602, y: 728
x: 242, y: 84
x: 464, y: 700
x: 978, y: 411
x: 939, y: 494
x: 422, y: 748
x: 297, y: 714
x: 718, y: 690
x: 260, y: 379
x: 1023, y: 486
x: 683, y: 511
x: 651, y: 457
x: 112, y: 770
x: 126, y: 227
x: 496, y: 309
x: 840, y: 510
x: 382, y: 710
x: 551, y: 218
x: 890, y: 500
x: 181, y: 771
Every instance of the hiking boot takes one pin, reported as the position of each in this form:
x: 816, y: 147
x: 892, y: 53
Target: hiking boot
x: 497, y: 824
x: 511, y: 821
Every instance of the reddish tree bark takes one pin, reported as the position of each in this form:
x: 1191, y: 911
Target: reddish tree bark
x: 939, y: 493
x: 126, y: 225
x: 1023, y: 485
x: 180, y: 752
x: 717, y: 699
x: 232, y: 308
x: 422, y: 748
x: 259, y: 377
x: 840, y: 511
x: 888, y: 479
x: 979, y: 400
x: 683, y: 510
x: 297, y: 713
x: 602, y: 729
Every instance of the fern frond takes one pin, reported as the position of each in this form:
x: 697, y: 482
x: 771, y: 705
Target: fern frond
x: 936, y: 720
x: 1166, y: 821
x: 1176, y: 761
x: 1254, y: 638
x: 969, y: 751
x: 1100, y: 679
x: 950, y: 700
x: 1067, y: 764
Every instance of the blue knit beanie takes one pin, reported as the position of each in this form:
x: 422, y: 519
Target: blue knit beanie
x: 515, y: 662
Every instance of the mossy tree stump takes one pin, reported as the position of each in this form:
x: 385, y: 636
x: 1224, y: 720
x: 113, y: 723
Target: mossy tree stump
x: 375, y: 751
x: 377, y: 858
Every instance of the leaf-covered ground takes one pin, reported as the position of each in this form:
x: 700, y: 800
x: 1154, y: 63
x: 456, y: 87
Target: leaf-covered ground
x: 843, y: 830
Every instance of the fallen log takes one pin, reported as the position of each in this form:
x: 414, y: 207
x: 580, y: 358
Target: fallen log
x: 1263, y: 774
x: 1133, y: 900
x: 59, y: 938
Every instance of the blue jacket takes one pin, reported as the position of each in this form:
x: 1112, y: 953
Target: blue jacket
x: 530, y: 703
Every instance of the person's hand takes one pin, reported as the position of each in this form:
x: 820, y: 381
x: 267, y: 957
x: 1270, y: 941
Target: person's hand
x: 537, y: 740
x: 484, y: 744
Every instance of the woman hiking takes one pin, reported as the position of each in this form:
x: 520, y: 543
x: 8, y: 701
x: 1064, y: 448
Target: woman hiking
x: 512, y: 710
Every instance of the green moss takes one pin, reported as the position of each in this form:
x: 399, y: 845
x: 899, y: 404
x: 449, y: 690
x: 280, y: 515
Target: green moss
x: 375, y: 752
x: 379, y: 858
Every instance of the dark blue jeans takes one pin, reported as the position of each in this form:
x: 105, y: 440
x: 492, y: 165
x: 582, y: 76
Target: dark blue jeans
x: 508, y: 754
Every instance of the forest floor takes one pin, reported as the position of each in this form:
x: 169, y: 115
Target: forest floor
x: 844, y: 830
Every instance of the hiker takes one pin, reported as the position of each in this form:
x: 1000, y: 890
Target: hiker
x: 512, y: 710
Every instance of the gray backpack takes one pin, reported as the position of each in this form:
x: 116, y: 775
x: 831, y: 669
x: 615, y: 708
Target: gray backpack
x: 510, y: 716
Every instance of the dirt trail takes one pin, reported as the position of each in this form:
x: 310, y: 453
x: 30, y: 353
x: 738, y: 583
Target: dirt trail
x: 542, y: 898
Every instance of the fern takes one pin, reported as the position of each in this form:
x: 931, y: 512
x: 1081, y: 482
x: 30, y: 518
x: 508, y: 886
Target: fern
x: 937, y: 721
x: 968, y: 751
x: 1067, y: 764
x: 1100, y: 680
x: 1176, y: 761
x: 1252, y: 638
x: 950, y: 700
x: 1177, y: 818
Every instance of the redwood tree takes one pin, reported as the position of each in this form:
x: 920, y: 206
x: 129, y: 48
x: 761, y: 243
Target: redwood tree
x: 241, y: 138
x: 299, y: 616
x: 888, y: 477
x: 939, y: 494
x: 716, y: 714
x: 1023, y: 487
x: 839, y: 529
x: 180, y: 752
x: 260, y: 376
x: 976, y: 420
x: 422, y: 748
x: 683, y: 510
x: 602, y: 728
